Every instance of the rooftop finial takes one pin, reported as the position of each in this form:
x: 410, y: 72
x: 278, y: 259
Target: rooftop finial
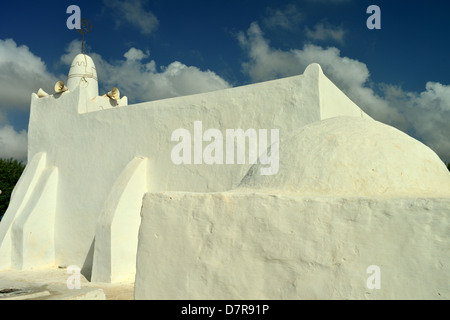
x: 86, y: 27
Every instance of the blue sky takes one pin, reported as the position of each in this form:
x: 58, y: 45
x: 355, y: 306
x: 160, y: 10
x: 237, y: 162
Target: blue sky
x: 154, y: 49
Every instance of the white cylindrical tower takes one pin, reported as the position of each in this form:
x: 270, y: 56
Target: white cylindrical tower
x: 83, y: 73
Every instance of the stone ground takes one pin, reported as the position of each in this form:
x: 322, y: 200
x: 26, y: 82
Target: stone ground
x: 51, y: 284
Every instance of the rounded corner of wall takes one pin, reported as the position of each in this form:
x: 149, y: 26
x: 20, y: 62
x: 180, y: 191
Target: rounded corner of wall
x: 314, y: 69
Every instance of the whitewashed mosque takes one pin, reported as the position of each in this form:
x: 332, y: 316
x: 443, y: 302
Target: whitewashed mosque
x: 344, y: 192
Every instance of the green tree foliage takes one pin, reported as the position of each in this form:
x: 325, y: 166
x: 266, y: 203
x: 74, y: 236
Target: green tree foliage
x: 10, y: 172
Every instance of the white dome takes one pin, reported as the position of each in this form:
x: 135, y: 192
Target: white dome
x: 83, y: 73
x: 353, y: 156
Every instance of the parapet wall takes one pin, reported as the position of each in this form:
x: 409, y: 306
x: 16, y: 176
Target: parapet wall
x: 254, y: 246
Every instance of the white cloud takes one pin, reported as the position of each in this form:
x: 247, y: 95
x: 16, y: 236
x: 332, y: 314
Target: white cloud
x: 3, y: 118
x: 13, y: 144
x: 265, y: 63
x: 72, y: 50
x: 21, y: 73
x: 286, y: 18
x: 428, y: 112
x: 352, y: 76
x: 436, y: 97
x: 141, y: 80
x: 324, y: 32
x: 136, y: 55
x: 426, y: 115
x: 134, y: 13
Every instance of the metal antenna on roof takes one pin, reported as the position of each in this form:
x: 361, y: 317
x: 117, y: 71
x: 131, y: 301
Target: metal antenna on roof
x: 86, y: 27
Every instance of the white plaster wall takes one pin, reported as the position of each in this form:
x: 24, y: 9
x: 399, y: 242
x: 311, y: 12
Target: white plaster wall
x: 116, y: 238
x: 33, y: 241
x: 23, y: 193
x: 236, y: 245
x: 92, y: 149
x: 333, y: 103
